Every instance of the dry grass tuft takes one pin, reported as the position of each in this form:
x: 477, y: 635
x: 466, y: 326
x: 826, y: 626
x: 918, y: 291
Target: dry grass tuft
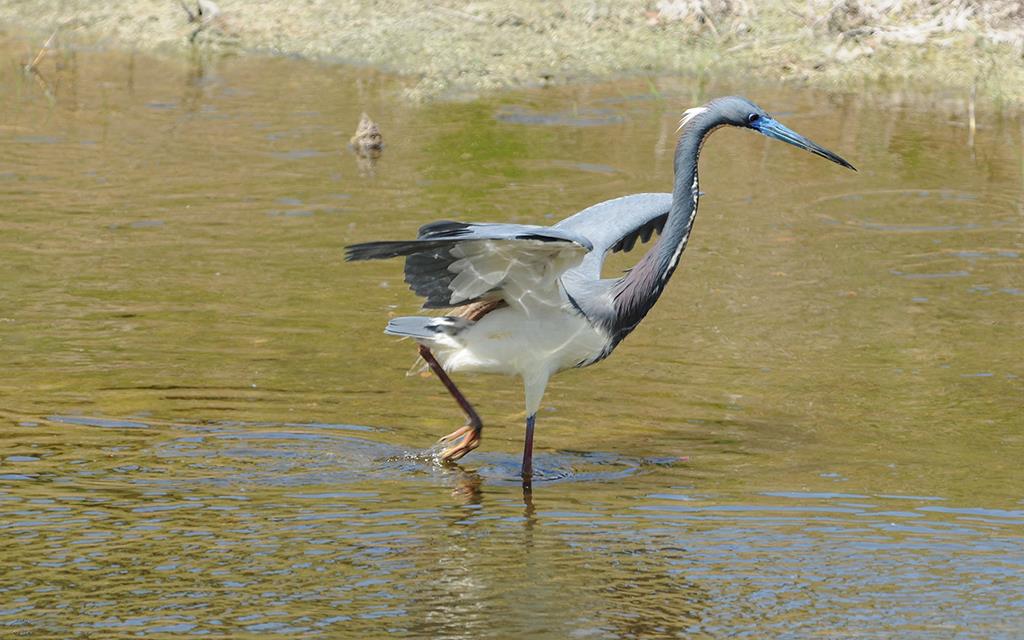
x: 922, y: 21
x: 483, y: 45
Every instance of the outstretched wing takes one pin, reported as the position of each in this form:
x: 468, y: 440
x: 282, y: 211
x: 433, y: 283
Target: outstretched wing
x: 616, y: 225
x: 455, y: 263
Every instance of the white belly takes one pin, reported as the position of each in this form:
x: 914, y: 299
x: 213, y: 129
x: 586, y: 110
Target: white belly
x: 509, y: 341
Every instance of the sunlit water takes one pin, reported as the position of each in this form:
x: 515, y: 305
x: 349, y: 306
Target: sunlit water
x: 817, y: 432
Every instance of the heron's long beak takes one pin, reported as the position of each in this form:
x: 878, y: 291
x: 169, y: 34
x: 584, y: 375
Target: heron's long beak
x: 775, y: 129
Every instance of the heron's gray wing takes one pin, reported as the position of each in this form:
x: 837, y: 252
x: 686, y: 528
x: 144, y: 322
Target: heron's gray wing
x: 455, y: 263
x: 616, y: 225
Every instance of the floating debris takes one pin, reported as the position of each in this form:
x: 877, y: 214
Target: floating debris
x: 31, y: 69
x: 367, y: 141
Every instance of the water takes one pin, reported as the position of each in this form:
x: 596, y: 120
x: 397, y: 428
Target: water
x: 817, y: 432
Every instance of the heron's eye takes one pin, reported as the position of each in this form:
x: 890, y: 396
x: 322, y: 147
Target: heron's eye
x: 752, y: 118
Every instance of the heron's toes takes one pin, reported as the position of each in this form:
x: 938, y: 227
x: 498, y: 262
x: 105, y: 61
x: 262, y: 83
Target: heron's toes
x: 470, y: 440
x: 455, y: 435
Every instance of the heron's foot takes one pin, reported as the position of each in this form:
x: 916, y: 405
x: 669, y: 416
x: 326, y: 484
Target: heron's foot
x: 464, y: 439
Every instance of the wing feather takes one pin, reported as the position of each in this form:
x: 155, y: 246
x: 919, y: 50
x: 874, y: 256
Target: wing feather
x: 617, y: 225
x: 457, y: 263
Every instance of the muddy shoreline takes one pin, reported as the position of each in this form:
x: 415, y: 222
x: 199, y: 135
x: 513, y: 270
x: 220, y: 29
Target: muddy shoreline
x: 458, y: 49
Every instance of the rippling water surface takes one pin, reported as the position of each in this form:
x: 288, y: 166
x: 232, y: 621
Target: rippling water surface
x: 817, y: 432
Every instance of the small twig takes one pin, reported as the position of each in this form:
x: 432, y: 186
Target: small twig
x: 711, y: 23
x: 42, y: 52
x: 856, y: 32
x: 972, y: 123
x: 460, y: 14
x: 770, y: 42
x: 41, y: 80
x: 825, y: 15
x: 191, y: 16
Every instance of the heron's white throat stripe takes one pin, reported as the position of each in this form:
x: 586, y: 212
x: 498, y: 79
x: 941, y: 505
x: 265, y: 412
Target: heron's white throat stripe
x: 682, y: 242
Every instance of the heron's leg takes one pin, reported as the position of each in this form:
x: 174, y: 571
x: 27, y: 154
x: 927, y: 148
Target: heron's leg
x: 465, y: 438
x: 527, y: 469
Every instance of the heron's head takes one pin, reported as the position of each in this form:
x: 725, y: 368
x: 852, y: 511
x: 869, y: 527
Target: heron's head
x: 740, y: 112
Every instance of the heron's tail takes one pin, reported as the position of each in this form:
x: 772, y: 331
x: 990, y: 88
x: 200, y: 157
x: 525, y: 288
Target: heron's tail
x: 427, y: 329
x: 432, y: 332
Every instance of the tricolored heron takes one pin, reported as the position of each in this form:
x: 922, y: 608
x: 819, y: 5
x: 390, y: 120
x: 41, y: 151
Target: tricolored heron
x: 530, y: 300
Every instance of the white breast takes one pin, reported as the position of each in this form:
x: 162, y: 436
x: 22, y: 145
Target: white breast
x: 510, y: 341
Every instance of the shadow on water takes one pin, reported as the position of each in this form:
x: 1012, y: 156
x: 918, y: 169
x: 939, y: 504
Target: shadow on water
x: 294, y: 454
x: 300, y: 454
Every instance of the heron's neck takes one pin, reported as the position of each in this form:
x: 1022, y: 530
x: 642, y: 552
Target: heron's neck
x: 637, y: 291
